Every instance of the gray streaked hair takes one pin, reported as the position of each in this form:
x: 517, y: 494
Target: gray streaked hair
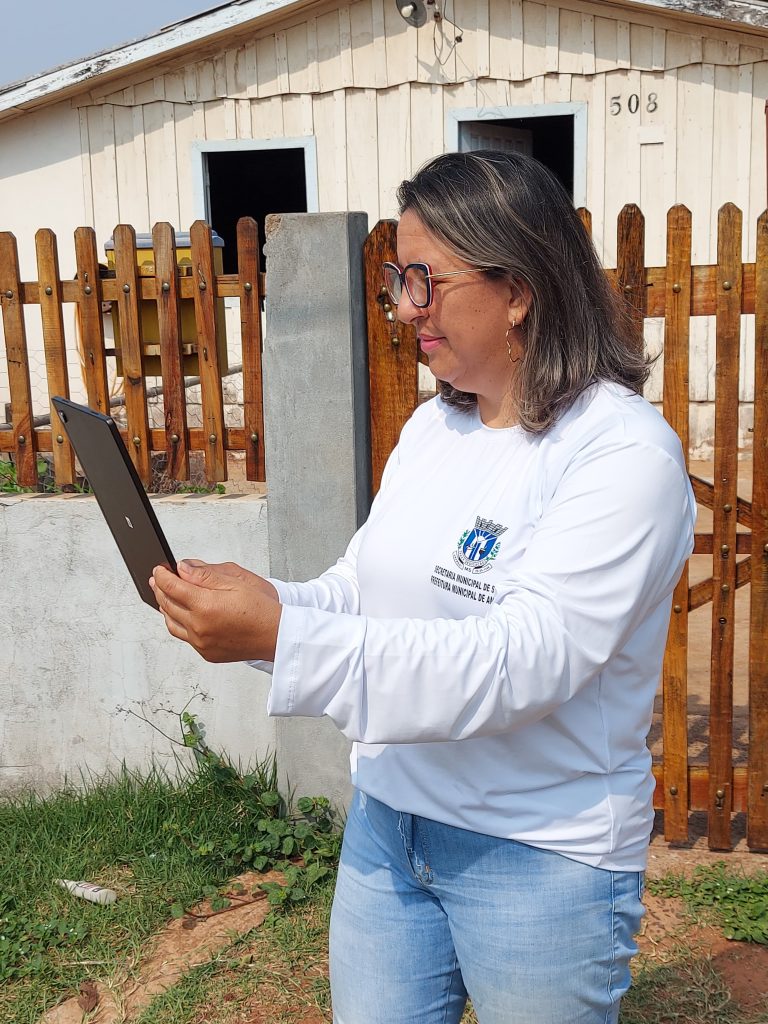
x: 508, y: 212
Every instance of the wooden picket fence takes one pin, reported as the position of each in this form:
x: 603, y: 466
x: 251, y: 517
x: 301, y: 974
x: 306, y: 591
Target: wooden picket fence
x: 128, y: 289
x: 675, y: 292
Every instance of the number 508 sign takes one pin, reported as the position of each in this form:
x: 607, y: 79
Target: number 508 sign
x: 633, y: 104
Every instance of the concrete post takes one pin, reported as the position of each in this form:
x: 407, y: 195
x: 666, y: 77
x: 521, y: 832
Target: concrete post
x: 317, y: 436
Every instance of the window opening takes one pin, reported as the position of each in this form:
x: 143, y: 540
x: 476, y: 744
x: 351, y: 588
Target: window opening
x: 252, y: 183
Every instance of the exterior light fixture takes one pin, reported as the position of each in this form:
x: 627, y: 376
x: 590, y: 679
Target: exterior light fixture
x: 414, y: 12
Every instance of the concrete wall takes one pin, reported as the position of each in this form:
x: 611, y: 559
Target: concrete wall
x: 77, y: 643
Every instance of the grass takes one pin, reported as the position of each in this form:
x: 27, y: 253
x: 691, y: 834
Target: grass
x: 128, y: 833
x: 281, y: 971
x: 281, y: 968
x: 143, y: 837
x: 684, y: 990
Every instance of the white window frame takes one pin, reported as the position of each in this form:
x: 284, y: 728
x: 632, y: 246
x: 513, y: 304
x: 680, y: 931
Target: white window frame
x: 200, y: 147
x: 579, y: 112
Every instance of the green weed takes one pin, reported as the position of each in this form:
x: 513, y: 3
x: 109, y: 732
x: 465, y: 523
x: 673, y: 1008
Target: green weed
x: 304, y: 846
x: 200, y: 489
x: 738, y: 903
x: 8, y: 481
x: 46, y: 483
x: 161, y: 845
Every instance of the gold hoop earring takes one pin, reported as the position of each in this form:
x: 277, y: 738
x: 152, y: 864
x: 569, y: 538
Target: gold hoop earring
x: 509, y: 343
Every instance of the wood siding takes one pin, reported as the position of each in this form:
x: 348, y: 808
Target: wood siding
x: 675, y: 114
x: 358, y: 75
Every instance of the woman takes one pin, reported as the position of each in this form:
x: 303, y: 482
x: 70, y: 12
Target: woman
x: 492, y: 638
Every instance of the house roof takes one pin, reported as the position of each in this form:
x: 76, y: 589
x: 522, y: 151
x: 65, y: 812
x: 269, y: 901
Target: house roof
x: 171, y: 41
x: 183, y: 37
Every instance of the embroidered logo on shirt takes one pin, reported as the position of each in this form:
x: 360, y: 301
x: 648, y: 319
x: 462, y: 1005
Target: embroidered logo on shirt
x: 478, y: 547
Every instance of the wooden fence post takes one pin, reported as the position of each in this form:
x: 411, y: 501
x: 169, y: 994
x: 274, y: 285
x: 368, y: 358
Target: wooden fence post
x: 757, y: 778
x: 49, y: 286
x: 131, y: 345
x: 630, y: 265
x: 728, y: 288
x: 90, y: 320
x: 24, y: 436
x: 171, y: 358
x: 676, y: 410
x: 212, y: 394
x: 249, y: 279
x: 585, y: 217
x: 392, y: 353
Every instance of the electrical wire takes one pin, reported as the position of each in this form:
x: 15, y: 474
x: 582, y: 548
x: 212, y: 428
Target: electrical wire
x: 439, y: 18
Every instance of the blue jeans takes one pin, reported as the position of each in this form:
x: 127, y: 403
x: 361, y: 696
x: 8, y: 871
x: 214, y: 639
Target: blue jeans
x: 426, y: 914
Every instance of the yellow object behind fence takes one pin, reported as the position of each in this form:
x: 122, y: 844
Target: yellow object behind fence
x: 149, y: 321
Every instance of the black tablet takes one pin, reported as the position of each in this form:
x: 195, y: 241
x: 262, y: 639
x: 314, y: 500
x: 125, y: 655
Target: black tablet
x: 114, y: 481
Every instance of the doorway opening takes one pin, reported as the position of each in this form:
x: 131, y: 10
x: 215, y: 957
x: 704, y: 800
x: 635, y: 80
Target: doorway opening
x: 549, y: 139
x: 252, y: 183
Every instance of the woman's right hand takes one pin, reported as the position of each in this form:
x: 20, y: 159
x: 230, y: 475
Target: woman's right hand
x: 232, y: 569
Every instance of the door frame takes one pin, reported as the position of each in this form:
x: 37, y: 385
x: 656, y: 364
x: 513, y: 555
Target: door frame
x: 579, y: 112
x: 199, y: 165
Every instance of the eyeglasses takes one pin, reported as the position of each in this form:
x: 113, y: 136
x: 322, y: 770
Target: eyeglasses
x: 416, y: 278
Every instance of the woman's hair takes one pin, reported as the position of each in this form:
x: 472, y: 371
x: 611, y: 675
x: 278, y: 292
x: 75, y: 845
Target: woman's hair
x: 509, y: 213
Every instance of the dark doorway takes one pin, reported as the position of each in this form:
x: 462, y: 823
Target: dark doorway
x: 549, y: 139
x: 252, y: 183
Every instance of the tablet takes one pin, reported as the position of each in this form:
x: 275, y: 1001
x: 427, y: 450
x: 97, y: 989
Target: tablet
x: 114, y: 481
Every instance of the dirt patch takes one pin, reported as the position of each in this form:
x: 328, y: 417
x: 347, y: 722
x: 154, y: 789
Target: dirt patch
x: 183, y: 944
x: 744, y: 966
x: 287, y: 988
x: 668, y: 929
x: 265, y: 1013
x: 667, y: 926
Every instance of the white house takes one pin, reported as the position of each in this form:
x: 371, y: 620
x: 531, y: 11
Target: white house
x: 278, y: 105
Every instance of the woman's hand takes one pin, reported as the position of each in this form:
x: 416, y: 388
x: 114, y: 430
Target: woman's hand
x: 236, y: 571
x: 225, y: 612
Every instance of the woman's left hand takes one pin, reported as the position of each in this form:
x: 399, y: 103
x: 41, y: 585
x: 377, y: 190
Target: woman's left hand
x: 219, y: 614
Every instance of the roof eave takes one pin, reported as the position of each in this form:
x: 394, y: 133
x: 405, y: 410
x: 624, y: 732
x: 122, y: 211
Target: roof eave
x: 743, y: 15
x: 66, y: 81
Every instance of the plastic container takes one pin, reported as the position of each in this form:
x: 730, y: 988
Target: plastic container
x: 88, y: 891
x: 150, y: 330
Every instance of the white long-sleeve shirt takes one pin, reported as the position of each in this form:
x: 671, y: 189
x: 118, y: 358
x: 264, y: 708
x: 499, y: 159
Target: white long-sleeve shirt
x: 492, y: 638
